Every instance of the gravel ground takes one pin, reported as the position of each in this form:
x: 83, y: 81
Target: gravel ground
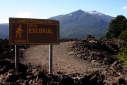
x: 62, y: 61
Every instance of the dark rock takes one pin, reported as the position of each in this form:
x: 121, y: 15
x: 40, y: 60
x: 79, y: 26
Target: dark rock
x: 121, y: 81
x: 4, y: 66
x: 4, y: 62
x: 43, y: 76
x: 22, y: 68
x: 67, y: 80
x: 95, y: 49
x: 13, y: 76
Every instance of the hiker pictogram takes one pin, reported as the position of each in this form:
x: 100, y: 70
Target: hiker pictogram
x: 19, y: 31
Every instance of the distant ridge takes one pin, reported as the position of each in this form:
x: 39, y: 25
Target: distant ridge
x: 77, y: 24
x: 4, y: 31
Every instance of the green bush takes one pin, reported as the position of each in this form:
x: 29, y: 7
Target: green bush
x: 122, y: 55
x: 123, y: 35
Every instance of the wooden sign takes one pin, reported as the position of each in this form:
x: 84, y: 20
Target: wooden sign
x: 33, y: 31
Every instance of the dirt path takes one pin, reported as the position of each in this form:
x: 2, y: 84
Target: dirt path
x: 62, y: 61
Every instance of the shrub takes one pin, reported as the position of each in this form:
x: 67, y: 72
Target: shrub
x: 122, y: 55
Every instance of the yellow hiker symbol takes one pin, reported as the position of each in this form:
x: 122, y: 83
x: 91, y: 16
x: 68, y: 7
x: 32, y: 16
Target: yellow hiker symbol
x: 19, y: 31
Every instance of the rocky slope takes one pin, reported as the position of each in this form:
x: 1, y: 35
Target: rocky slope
x: 107, y: 70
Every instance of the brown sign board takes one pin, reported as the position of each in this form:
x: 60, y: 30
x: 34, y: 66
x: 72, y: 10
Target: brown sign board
x: 33, y: 31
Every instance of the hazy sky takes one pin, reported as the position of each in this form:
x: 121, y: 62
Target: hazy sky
x: 44, y: 9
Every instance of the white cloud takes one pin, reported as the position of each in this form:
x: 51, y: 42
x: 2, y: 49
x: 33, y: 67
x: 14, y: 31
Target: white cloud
x: 124, y: 7
x: 24, y: 14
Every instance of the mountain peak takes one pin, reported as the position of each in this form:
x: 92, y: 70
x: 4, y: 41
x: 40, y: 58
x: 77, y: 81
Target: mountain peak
x: 79, y: 10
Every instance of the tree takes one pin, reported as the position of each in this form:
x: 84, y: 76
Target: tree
x: 123, y: 35
x: 116, y: 27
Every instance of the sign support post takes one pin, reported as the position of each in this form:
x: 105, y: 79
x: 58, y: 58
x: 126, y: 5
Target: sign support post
x: 50, y: 58
x: 16, y: 57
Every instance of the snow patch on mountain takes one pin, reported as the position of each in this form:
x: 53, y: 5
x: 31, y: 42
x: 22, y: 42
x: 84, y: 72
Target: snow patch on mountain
x: 95, y: 12
x: 70, y: 14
